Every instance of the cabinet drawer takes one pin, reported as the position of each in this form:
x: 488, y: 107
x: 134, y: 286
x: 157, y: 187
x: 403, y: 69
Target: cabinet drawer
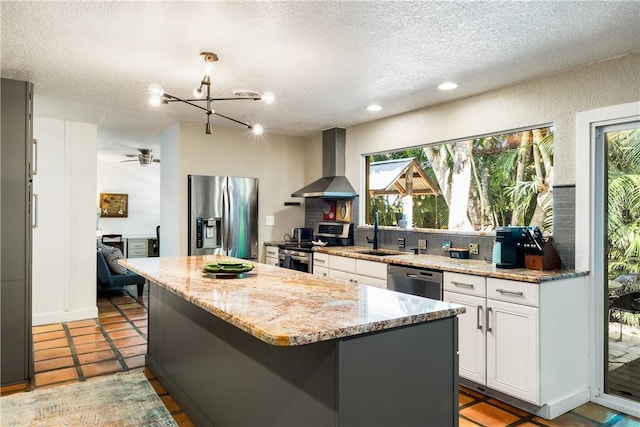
x: 321, y: 260
x: 465, y: 284
x: 371, y: 269
x: 272, y: 251
x: 137, y: 244
x: 342, y: 263
x: 137, y: 252
x: 511, y: 291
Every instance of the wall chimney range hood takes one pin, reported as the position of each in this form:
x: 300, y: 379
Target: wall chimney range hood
x: 333, y: 184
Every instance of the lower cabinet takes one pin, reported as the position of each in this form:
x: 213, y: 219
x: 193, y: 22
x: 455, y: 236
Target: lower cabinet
x: 513, y: 350
x: 271, y: 255
x: 350, y: 270
x: 498, y: 340
x: 471, y: 336
x: 137, y: 248
x: 520, y: 338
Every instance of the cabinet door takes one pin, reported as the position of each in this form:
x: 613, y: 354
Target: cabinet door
x: 372, y: 269
x: 513, y: 361
x: 342, y: 277
x: 372, y: 281
x: 322, y: 272
x: 272, y: 261
x: 471, y: 336
x: 342, y: 263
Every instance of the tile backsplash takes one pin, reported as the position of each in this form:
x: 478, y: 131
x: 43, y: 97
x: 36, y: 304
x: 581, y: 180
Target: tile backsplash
x: 563, y: 235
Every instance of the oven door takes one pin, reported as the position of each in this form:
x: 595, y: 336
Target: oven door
x: 295, y: 260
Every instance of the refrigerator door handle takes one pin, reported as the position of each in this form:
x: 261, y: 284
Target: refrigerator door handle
x: 226, y: 220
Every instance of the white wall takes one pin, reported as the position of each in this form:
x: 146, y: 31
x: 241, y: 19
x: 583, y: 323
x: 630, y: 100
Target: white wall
x: 64, y: 259
x: 171, y: 213
x: 277, y: 161
x: 142, y: 184
x: 553, y: 99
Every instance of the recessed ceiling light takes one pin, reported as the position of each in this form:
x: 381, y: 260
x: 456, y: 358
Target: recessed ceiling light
x: 447, y: 86
x: 374, y: 107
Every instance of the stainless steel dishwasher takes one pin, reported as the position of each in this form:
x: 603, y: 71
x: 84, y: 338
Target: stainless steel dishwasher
x: 416, y: 281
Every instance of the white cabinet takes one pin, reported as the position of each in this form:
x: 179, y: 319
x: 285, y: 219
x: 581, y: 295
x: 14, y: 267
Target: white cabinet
x: 498, y: 340
x: 371, y: 273
x: 342, y: 277
x: 321, y: 265
x: 137, y: 248
x: 471, y: 336
x: 350, y: 270
x: 513, y: 350
x: 271, y: 255
x: 520, y: 339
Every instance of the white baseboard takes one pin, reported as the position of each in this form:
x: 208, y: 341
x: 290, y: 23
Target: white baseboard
x: 65, y: 316
x: 566, y: 404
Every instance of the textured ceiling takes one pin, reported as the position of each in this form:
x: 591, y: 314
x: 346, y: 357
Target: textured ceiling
x: 324, y: 61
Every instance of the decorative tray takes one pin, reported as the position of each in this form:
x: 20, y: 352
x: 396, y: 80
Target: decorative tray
x: 227, y: 268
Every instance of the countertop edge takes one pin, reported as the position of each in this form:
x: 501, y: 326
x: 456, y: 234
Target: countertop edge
x: 306, y: 338
x: 470, y: 266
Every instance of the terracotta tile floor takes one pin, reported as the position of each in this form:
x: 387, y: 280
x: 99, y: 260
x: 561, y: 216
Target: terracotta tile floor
x: 117, y: 341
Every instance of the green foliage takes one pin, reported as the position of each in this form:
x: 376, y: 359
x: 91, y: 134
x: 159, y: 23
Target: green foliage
x: 495, y: 156
x: 623, y: 211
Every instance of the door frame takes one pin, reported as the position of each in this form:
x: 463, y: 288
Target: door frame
x: 589, y: 195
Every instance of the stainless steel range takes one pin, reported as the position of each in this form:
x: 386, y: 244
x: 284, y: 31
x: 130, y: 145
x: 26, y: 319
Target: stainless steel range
x: 298, y: 255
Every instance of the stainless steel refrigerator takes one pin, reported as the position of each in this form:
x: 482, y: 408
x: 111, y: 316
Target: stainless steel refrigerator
x: 223, y: 216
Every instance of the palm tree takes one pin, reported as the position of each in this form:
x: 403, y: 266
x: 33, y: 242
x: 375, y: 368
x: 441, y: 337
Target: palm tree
x: 623, y: 220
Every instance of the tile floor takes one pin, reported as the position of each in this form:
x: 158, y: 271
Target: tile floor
x: 116, y: 341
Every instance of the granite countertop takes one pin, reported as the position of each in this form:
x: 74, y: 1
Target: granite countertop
x: 444, y: 263
x: 286, y: 308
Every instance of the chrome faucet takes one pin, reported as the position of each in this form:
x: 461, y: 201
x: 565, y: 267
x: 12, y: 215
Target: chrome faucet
x: 375, y: 232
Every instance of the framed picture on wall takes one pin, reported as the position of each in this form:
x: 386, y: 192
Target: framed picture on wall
x: 114, y: 205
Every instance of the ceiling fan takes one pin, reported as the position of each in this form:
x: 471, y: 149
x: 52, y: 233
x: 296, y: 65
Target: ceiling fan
x: 145, y: 157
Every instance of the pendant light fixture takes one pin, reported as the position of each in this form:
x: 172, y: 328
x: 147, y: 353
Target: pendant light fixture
x: 202, y: 93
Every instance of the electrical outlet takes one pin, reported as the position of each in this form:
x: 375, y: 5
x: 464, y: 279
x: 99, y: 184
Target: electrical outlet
x: 446, y: 245
x: 422, y: 244
x: 473, y: 248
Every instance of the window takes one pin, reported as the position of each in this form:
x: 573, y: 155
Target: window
x: 467, y: 185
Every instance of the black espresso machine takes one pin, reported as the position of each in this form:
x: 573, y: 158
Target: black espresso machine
x: 515, y: 242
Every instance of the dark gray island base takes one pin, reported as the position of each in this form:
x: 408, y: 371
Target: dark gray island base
x: 223, y: 376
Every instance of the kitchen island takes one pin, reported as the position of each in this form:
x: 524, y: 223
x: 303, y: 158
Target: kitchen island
x: 281, y: 348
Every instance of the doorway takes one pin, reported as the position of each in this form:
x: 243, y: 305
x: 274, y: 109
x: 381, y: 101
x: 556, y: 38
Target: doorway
x: 605, y: 144
x: 618, y: 145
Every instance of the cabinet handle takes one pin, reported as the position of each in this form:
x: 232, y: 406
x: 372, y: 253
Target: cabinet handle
x: 514, y: 293
x: 479, y: 317
x: 489, y: 310
x: 411, y: 275
x: 318, y: 261
x: 34, y: 223
x: 462, y: 285
x: 34, y: 165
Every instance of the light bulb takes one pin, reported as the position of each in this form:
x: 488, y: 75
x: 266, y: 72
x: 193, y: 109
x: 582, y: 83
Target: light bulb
x: 155, y: 100
x: 209, y: 68
x: 257, y: 129
x: 447, y: 86
x: 268, y: 98
x: 374, y: 107
x: 198, y: 92
x: 155, y: 89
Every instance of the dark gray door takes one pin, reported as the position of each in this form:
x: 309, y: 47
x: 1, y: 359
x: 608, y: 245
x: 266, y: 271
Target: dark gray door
x: 15, y: 286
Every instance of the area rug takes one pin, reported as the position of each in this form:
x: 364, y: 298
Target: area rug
x: 123, y: 399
